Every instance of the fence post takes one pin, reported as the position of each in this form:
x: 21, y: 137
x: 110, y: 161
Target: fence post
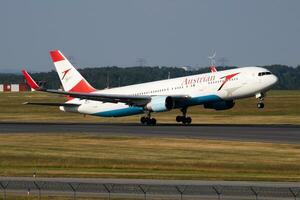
x: 294, y: 193
x: 180, y: 191
x: 254, y: 192
x: 4, y: 186
x: 144, y: 191
x: 217, y: 191
x: 39, y: 188
x: 74, y: 189
x: 107, y: 190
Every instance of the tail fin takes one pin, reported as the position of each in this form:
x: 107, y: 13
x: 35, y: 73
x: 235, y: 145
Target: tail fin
x: 213, y: 69
x: 30, y: 80
x: 71, y: 79
x: 213, y: 62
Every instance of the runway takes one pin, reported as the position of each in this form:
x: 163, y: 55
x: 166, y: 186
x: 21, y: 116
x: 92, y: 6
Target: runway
x: 262, y: 133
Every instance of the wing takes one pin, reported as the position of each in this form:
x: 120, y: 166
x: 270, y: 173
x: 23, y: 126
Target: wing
x: 132, y: 100
x: 52, y: 104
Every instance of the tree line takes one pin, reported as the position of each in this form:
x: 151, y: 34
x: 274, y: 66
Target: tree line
x: 104, y: 77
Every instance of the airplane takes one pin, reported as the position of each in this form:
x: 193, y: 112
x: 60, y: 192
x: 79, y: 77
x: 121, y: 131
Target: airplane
x: 218, y: 90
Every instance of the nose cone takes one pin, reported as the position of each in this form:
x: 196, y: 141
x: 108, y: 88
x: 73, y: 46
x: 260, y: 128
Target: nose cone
x: 269, y: 81
x: 274, y: 79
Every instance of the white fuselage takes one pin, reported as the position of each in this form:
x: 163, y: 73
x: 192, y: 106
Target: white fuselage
x: 223, y: 85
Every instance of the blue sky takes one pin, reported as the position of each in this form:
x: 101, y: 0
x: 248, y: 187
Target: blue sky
x: 164, y: 32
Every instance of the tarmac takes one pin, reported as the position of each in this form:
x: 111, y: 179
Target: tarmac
x: 261, y: 133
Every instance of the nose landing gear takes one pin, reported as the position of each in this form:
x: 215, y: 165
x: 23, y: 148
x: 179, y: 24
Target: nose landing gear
x: 260, y: 105
x: 260, y: 97
x: 183, y: 118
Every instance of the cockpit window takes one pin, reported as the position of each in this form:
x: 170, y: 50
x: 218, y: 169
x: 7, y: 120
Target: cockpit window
x: 264, y: 73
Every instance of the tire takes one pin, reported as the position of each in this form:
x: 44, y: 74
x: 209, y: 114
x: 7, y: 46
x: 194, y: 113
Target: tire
x: 148, y: 122
x: 188, y: 120
x: 260, y: 105
x: 143, y: 120
x: 178, y: 118
x: 153, y: 121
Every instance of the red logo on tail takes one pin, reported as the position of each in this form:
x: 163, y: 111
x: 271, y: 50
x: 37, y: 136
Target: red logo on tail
x: 65, y: 73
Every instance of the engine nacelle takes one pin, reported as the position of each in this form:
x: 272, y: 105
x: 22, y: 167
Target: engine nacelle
x: 160, y: 104
x: 220, y: 105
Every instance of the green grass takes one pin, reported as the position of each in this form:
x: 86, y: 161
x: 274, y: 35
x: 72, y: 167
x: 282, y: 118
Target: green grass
x: 81, y: 155
x: 282, y: 107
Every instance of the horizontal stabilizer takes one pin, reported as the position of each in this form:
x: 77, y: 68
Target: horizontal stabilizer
x: 52, y: 104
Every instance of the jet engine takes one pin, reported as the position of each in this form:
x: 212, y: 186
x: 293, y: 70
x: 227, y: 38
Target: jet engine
x: 160, y: 104
x: 220, y: 105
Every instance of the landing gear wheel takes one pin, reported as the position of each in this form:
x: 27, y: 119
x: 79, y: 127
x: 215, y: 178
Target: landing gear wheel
x: 260, y: 105
x: 151, y: 121
x: 188, y: 120
x: 184, y: 120
x: 260, y: 96
x: 143, y: 120
x: 179, y: 118
x: 148, y: 120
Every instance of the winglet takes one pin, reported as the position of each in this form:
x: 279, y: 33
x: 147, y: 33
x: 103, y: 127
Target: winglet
x: 30, y: 80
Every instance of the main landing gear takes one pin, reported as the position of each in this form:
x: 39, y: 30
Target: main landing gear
x: 148, y: 120
x: 260, y: 97
x: 184, y: 119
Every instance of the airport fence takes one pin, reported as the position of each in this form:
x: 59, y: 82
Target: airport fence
x: 75, y: 190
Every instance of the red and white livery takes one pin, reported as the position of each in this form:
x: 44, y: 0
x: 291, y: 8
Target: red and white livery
x: 217, y: 90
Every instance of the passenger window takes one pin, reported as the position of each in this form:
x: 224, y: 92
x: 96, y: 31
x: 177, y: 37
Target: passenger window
x: 264, y: 73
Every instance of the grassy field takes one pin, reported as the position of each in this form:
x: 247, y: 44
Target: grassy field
x: 282, y: 107
x: 81, y: 155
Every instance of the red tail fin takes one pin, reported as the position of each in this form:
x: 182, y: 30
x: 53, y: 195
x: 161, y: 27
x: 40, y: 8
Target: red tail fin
x: 71, y: 79
x: 213, y: 69
x: 30, y: 80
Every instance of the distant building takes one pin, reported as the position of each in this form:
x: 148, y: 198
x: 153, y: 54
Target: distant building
x: 9, y: 87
